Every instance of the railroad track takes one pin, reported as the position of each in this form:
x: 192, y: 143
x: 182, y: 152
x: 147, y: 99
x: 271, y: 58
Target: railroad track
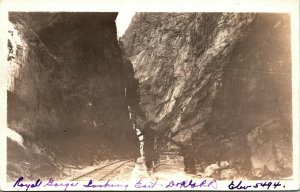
x: 105, y: 172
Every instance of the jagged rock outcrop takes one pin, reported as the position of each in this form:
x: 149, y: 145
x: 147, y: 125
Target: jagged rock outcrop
x: 66, y: 85
x: 215, y: 80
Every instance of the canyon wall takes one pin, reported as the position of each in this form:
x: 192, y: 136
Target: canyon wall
x: 218, y: 81
x: 66, y: 87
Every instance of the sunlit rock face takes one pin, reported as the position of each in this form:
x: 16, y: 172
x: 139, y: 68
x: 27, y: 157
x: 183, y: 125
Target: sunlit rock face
x: 179, y: 61
x: 212, y: 79
x: 66, y: 87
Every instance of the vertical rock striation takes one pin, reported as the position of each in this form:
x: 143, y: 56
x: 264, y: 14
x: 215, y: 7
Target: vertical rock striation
x: 220, y: 81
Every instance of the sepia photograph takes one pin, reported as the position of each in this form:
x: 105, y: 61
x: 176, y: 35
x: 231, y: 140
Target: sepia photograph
x: 183, y: 98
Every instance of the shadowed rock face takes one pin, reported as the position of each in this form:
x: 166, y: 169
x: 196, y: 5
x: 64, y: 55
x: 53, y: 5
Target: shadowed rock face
x: 219, y: 81
x: 67, y: 69
x: 252, y: 110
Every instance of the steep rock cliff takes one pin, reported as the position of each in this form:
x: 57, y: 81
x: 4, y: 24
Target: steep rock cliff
x: 219, y: 81
x: 252, y: 113
x: 66, y: 90
x: 179, y: 59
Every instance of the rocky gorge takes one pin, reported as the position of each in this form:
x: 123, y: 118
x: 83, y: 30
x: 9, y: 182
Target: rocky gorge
x: 219, y: 83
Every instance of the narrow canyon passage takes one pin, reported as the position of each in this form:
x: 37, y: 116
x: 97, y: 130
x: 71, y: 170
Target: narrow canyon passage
x: 183, y: 95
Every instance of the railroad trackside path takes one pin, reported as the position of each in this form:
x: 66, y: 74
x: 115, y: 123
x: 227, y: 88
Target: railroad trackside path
x: 124, y: 173
x: 115, y: 170
x: 167, y: 168
x: 119, y: 172
x: 72, y: 172
x: 128, y: 170
x: 172, y: 167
